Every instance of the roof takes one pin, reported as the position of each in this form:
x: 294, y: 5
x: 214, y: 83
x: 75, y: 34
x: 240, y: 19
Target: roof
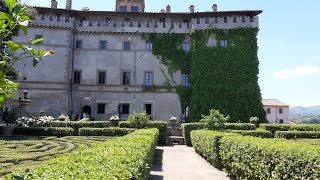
x: 187, y: 14
x: 274, y: 102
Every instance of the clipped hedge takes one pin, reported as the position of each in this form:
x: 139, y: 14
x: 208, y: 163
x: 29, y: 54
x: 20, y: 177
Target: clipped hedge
x: 187, y: 128
x: 104, y: 131
x: 128, y: 157
x: 43, y: 131
x: 256, y: 133
x: 240, y: 126
x: 160, y: 125
x: 76, y: 125
x: 297, y: 134
x: 248, y: 157
x: 290, y: 127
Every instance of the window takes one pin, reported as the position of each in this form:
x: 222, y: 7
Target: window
x: 216, y: 20
x: 149, y: 79
x: 125, y: 109
x: 78, y: 44
x: 42, y: 16
x: 58, y: 17
x: 207, y: 20
x: 225, y: 19
x: 186, y: 46
x: 101, y: 108
x: 134, y: 9
x: 126, y: 78
x: 76, y: 77
x: 149, y: 46
x: 123, y: 8
x: 280, y: 111
x: 243, y: 19
x: 148, y: 109
x: 81, y: 21
x: 280, y: 121
x: 126, y: 45
x: 38, y: 36
x: 268, y: 111
x: 234, y: 19
x: 101, y: 77
x: 185, y: 79
x: 198, y: 21
x: 224, y: 43
x: 186, y: 111
x: 103, y: 44
x: 251, y: 19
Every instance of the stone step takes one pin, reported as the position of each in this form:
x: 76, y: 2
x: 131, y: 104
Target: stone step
x: 176, y: 140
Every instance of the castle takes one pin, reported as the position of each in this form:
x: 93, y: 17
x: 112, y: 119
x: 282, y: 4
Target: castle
x: 104, y: 67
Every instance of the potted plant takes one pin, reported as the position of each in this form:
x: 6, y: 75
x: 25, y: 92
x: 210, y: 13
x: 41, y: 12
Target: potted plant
x: 173, y: 120
x: 9, y: 116
x: 114, y: 121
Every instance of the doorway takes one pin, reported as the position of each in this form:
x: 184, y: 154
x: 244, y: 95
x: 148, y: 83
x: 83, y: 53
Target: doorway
x: 87, y: 110
x: 148, y: 109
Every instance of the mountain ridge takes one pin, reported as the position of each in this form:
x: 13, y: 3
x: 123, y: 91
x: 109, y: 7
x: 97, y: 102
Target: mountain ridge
x: 300, y: 110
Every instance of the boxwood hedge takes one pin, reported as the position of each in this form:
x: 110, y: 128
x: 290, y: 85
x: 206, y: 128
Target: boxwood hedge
x: 160, y: 125
x: 104, y: 131
x: 248, y: 157
x: 256, y: 133
x: 43, y: 131
x: 128, y: 157
x: 297, y: 134
x: 76, y: 125
x: 240, y: 126
x: 290, y: 127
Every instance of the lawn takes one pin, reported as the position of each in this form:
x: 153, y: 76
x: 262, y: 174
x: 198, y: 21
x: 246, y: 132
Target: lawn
x: 20, y: 152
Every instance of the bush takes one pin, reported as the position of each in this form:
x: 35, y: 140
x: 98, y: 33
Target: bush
x: 160, y: 125
x: 104, y: 131
x: 297, y: 134
x: 9, y: 115
x: 187, y: 128
x: 128, y: 157
x: 256, y: 133
x: 240, y: 126
x: 43, y: 131
x: 290, y: 127
x: 215, y: 120
x: 76, y: 125
x: 139, y: 119
x: 248, y: 157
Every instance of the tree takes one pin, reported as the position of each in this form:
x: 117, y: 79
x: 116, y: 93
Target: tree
x: 13, y: 17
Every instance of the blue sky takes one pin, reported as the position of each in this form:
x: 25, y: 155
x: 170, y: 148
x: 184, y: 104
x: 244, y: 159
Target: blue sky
x: 289, y: 50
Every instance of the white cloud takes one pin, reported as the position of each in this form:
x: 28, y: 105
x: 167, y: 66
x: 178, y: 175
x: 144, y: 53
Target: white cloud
x: 298, y: 71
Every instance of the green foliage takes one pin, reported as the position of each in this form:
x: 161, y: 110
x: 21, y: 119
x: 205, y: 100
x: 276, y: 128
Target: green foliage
x: 104, y: 131
x: 248, y: 157
x: 290, y: 127
x: 297, y: 134
x: 215, y: 120
x: 187, y: 128
x: 240, y: 126
x: 14, y: 18
x: 226, y: 78
x: 128, y: 157
x: 9, y: 115
x: 160, y: 125
x: 139, y: 119
x: 43, y: 131
x: 255, y: 133
x: 76, y: 125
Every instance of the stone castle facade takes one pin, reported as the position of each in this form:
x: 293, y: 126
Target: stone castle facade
x: 103, y: 66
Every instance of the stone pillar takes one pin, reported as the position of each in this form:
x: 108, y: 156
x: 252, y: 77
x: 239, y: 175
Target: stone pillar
x: 24, y: 104
x: 54, y: 4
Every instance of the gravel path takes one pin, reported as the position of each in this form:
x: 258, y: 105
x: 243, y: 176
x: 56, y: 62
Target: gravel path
x: 182, y: 162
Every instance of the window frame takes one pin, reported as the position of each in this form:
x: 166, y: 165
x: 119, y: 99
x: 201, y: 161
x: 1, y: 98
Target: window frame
x: 149, y: 46
x: 121, y: 108
x: 79, y: 44
x: 123, y: 8
x: 280, y: 110
x: 77, y: 80
x: 148, y: 79
x: 137, y: 10
x: 125, y: 45
x: 103, y: 44
x: 104, y: 77
x: 186, y: 46
x: 123, y: 78
x: 185, y: 80
x: 101, y: 108
x: 268, y: 110
x: 224, y: 43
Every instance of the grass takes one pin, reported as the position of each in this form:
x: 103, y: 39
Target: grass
x: 19, y: 152
x: 313, y: 142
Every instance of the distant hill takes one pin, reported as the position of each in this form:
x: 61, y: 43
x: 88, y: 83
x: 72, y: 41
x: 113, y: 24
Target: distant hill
x: 299, y: 110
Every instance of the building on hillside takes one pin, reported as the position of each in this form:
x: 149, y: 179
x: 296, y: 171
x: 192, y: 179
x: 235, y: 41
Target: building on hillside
x: 277, y: 111
x: 103, y: 66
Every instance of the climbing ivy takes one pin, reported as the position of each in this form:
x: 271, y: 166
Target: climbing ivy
x: 224, y: 78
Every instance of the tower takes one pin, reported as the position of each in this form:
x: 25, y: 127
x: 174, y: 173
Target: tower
x: 54, y: 4
x: 130, y: 5
x: 69, y: 4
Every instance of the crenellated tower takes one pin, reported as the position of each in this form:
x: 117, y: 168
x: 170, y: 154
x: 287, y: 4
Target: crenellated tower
x: 69, y: 4
x: 130, y: 5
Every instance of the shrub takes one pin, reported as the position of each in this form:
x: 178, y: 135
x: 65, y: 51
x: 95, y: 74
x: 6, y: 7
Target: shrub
x: 76, y: 125
x: 43, y: 131
x: 128, y: 157
x: 240, y: 126
x: 290, y: 127
x: 9, y: 115
x: 187, y: 128
x: 160, y: 125
x: 139, y: 119
x: 275, y: 127
x: 297, y: 134
x: 256, y: 133
x: 104, y: 131
x: 215, y: 120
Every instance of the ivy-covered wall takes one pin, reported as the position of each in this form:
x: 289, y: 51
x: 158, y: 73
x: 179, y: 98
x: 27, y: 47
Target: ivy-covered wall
x: 224, y: 78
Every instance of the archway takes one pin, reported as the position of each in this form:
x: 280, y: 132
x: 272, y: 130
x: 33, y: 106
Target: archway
x: 87, y: 110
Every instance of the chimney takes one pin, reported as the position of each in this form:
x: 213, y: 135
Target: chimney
x: 168, y: 9
x: 215, y: 8
x: 54, y: 4
x: 191, y: 8
x: 163, y: 11
x: 85, y: 9
x: 69, y: 4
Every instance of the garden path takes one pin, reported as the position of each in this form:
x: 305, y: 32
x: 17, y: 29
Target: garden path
x: 180, y: 162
